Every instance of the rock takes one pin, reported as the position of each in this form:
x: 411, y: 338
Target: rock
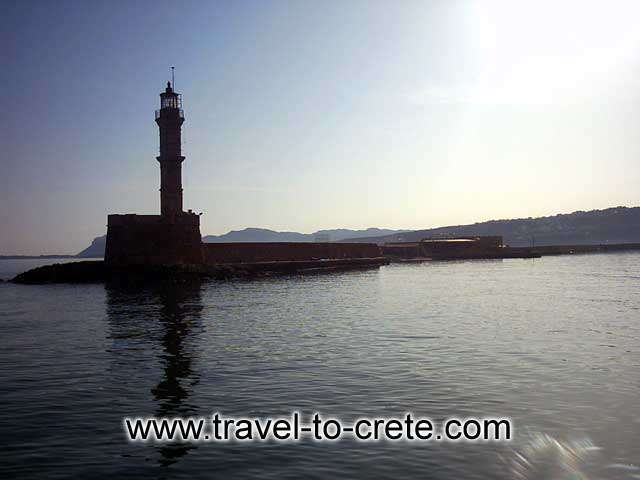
x: 74, y: 272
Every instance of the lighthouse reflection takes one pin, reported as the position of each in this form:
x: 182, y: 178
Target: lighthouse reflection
x: 165, y: 320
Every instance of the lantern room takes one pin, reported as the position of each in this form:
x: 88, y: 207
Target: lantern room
x: 170, y: 100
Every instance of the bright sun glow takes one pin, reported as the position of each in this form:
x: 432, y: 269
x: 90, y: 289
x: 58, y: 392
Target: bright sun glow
x: 546, y: 52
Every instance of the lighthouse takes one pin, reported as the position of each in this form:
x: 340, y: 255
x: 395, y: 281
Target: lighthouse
x: 170, y: 118
x: 173, y: 237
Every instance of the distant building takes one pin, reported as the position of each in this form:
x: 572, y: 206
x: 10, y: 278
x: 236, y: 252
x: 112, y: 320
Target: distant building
x: 451, y: 247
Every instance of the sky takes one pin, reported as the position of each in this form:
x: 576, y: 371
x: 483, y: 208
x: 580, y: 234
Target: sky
x: 306, y: 115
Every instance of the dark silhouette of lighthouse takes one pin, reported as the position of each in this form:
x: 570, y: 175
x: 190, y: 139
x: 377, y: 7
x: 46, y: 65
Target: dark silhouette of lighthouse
x: 173, y: 237
x: 170, y: 118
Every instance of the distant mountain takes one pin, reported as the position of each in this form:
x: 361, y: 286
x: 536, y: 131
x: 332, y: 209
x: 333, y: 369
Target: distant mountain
x: 96, y: 249
x: 261, y: 235
x: 342, y: 234
x: 612, y: 225
x: 256, y: 235
x: 264, y: 235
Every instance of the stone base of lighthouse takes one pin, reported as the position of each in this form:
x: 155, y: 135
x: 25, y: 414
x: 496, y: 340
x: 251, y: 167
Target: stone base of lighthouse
x: 153, y: 240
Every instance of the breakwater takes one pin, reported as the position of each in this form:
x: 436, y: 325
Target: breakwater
x: 102, y: 272
x: 571, y: 249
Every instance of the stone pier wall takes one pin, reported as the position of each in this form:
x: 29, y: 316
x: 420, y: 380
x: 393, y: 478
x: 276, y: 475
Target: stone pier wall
x: 221, y: 253
x: 159, y: 240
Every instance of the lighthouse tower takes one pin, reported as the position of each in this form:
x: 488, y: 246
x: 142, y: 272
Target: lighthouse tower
x: 173, y: 237
x: 170, y: 118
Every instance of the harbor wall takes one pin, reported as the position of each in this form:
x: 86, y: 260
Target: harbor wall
x: 221, y: 253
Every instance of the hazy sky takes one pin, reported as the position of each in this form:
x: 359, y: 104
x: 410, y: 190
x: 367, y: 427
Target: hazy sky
x: 305, y: 115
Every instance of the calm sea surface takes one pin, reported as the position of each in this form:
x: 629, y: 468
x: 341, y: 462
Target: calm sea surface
x: 553, y: 343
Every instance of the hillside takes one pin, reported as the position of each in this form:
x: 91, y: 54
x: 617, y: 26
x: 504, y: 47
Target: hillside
x: 264, y: 235
x: 96, y: 249
x: 612, y: 225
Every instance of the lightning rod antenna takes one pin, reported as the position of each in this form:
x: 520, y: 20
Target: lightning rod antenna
x: 173, y: 80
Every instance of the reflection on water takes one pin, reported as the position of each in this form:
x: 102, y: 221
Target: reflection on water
x: 543, y: 456
x: 553, y: 344
x: 179, y: 309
